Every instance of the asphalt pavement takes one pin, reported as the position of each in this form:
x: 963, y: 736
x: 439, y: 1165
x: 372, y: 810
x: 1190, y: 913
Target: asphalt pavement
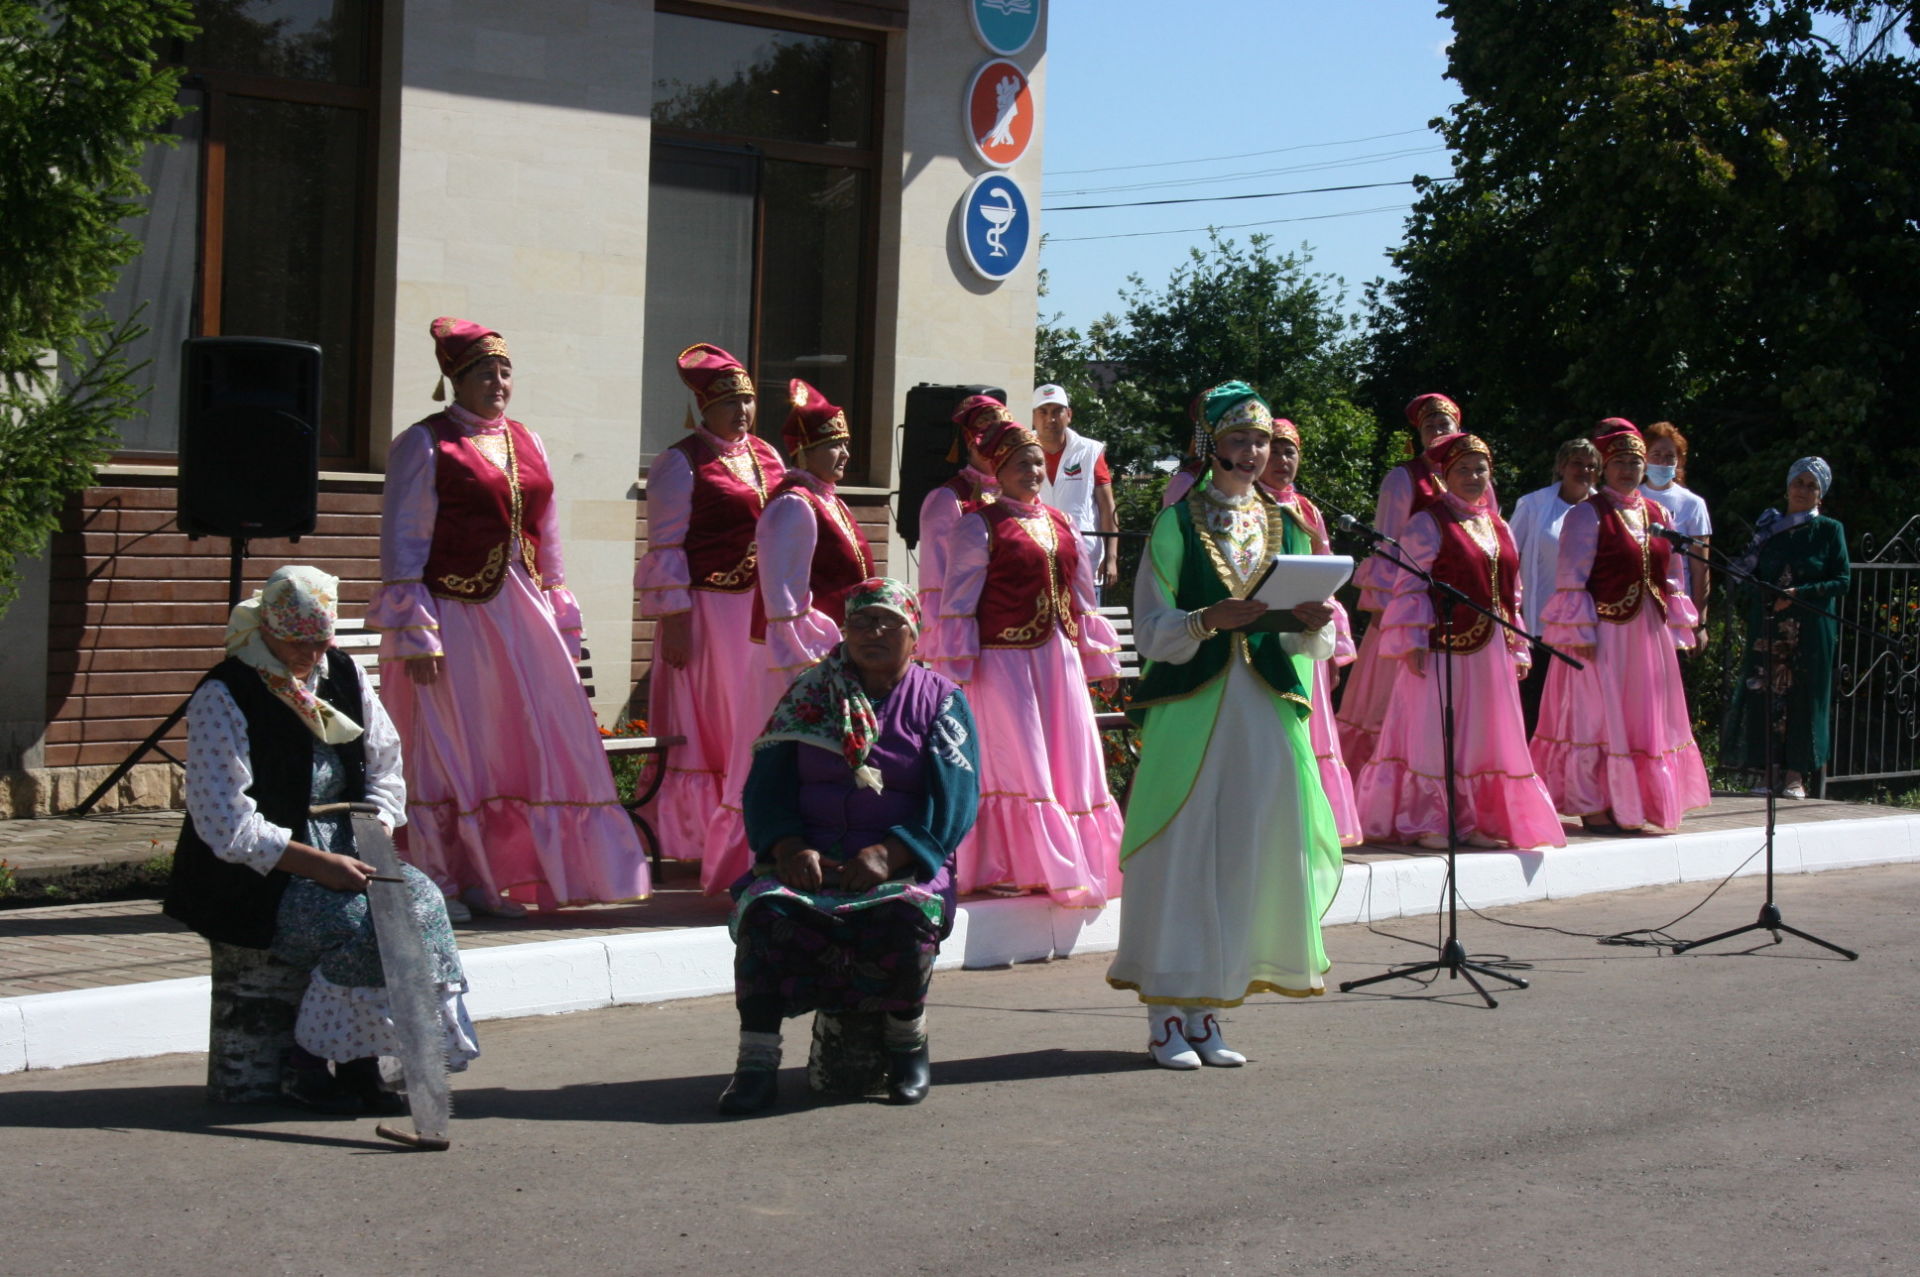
x: 1749, y: 1108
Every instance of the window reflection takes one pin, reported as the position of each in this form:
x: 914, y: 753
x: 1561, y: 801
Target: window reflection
x: 324, y: 40
x: 748, y: 81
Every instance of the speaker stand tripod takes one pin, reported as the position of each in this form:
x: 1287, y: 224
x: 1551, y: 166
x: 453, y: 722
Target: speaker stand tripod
x: 237, y: 547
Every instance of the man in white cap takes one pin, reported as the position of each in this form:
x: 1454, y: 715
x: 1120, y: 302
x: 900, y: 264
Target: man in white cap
x: 1078, y: 483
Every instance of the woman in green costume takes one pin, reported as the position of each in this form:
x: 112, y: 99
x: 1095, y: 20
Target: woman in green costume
x: 1230, y: 850
x: 1805, y: 553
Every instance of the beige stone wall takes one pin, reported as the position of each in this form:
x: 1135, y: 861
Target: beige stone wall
x: 939, y: 321
x: 520, y: 201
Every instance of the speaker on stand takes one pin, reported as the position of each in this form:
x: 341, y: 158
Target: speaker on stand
x: 249, y: 463
x: 927, y: 436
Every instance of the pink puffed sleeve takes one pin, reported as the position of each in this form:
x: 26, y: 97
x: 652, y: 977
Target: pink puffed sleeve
x: 1683, y: 618
x: 1343, y: 646
x: 1407, y: 624
x: 1099, y: 645
x: 797, y: 636
x: 1518, y: 648
x: 553, y: 567
x: 938, y: 513
x: 662, y: 580
x: 1376, y: 576
x: 1570, y: 619
x: 953, y: 639
x: 1178, y: 487
x: 402, y: 609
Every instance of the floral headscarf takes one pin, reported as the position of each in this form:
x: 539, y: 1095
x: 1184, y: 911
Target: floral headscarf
x: 827, y: 707
x: 299, y: 604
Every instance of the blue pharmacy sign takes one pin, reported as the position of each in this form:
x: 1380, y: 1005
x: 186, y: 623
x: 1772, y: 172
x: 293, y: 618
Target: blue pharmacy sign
x: 1005, y: 26
x: 996, y: 226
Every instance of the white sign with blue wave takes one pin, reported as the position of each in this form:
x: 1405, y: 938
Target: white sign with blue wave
x: 996, y: 226
x: 1005, y: 26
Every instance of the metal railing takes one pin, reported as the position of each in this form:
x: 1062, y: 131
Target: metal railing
x: 1876, y: 694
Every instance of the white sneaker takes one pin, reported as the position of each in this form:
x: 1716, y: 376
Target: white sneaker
x: 1167, y: 1041
x: 1202, y: 1030
x: 457, y: 910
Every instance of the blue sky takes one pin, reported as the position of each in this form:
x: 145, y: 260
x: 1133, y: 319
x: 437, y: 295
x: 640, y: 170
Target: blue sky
x: 1173, y: 84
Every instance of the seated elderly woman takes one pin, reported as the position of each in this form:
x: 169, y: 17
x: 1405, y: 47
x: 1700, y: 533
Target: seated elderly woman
x: 862, y: 786
x: 283, y: 724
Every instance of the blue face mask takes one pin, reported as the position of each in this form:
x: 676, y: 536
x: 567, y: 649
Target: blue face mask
x: 1660, y: 476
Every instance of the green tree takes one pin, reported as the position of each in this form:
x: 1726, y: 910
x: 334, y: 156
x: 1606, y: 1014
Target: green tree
x: 80, y: 99
x: 1228, y: 311
x: 1705, y: 212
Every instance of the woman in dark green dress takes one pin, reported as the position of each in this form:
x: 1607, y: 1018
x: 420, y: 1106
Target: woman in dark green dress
x: 1805, y: 553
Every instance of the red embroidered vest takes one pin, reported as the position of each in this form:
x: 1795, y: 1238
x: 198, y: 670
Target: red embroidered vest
x: 482, y: 507
x: 719, y: 545
x: 1466, y: 565
x: 842, y: 559
x: 1029, y: 585
x: 969, y: 493
x: 1626, y: 573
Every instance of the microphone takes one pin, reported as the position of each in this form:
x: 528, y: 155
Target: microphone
x: 1673, y: 535
x: 1221, y: 461
x: 1347, y: 523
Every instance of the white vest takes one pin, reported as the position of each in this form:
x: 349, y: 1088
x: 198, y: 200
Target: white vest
x: 1070, y: 491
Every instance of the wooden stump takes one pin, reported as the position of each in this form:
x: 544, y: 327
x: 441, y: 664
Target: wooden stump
x: 849, y: 1055
x: 256, y: 998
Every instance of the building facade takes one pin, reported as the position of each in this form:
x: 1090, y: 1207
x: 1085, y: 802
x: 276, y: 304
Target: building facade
x: 605, y: 182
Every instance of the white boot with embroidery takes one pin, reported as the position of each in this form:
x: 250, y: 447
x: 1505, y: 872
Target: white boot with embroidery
x: 1167, y: 1039
x: 1202, y: 1031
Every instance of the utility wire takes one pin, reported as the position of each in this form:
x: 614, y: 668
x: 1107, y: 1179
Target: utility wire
x: 1239, y: 226
x: 1318, y: 166
x: 1243, y: 155
x: 1217, y: 199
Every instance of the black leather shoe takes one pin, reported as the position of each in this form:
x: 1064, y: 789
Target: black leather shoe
x: 361, y: 1078
x: 750, y: 1091
x: 318, y: 1091
x: 909, y: 1075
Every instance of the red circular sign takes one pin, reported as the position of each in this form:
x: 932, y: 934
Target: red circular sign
x: 1000, y: 112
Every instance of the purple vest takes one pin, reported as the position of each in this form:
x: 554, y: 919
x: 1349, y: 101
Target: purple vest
x: 840, y: 817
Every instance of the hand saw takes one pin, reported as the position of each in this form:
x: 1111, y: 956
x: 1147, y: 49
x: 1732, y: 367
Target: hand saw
x: 413, y: 995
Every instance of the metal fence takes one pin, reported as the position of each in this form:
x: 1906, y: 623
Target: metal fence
x: 1876, y: 695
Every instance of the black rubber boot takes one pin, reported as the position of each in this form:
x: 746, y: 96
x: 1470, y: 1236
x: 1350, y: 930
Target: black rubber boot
x: 909, y: 1075
x: 750, y: 1091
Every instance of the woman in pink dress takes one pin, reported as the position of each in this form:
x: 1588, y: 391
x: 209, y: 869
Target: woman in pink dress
x: 1283, y: 465
x: 1614, y: 743
x: 1408, y: 489
x: 1021, y: 633
x: 812, y: 555
x: 1499, y: 801
x: 509, y: 798
x: 974, y: 485
x: 697, y: 580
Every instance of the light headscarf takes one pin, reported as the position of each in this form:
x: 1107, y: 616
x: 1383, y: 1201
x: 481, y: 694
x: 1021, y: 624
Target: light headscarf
x: 299, y: 604
x: 827, y: 707
x: 1815, y: 466
x: 1772, y: 522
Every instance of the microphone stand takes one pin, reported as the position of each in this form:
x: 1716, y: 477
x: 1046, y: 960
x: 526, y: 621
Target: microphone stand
x: 1770, y: 918
x: 1452, y: 957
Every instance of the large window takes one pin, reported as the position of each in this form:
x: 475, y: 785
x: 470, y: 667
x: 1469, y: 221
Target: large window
x: 261, y: 223
x: 760, y: 218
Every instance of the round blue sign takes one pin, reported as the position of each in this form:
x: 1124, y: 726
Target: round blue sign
x: 1005, y: 26
x: 995, y: 226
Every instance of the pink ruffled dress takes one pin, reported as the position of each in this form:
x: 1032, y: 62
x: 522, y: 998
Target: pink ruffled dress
x: 1402, y: 789
x: 1047, y: 821
x: 701, y: 701
x: 508, y: 788
x: 1369, y: 686
x: 1615, y: 736
x: 799, y: 632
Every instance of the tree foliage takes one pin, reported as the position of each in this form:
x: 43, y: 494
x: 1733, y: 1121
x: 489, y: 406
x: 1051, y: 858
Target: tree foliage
x: 1707, y: 212
x: 80, y: 100
x: 1227, y: 312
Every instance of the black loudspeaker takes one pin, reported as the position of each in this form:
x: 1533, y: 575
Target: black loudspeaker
x: 249, y: 437
x: 928, y: 437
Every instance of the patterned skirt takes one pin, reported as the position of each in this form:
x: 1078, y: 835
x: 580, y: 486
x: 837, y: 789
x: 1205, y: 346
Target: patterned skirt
x: 831, y: 952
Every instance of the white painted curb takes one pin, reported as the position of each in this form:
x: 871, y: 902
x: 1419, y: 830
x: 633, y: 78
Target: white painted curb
x: 550, y: 977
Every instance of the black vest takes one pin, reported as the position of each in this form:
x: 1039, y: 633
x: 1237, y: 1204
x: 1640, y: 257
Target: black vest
x: 232, y: 903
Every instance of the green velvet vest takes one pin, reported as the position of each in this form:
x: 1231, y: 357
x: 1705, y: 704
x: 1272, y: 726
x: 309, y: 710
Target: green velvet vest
x: 1202, y: 584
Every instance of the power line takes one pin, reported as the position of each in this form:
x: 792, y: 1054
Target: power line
x: 1318, y: 166
x: 1195, y: 230
x: 1243, y: 155
x: 1215, y: 199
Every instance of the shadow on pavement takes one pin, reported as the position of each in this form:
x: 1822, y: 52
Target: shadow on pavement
x: 178, y: 1109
